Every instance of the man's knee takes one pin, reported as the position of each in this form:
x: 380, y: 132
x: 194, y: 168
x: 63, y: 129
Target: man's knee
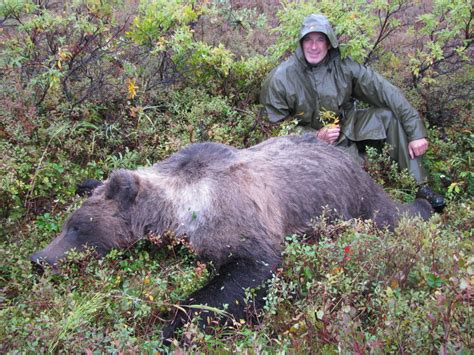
x: 387, y: 117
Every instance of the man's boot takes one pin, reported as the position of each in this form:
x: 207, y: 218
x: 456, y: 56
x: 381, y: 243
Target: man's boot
x: 434, y: 198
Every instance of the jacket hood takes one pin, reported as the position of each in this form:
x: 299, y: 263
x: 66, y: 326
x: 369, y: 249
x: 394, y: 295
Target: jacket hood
x: 318, y: 23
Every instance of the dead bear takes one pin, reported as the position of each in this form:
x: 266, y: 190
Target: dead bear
x: 233, y: 206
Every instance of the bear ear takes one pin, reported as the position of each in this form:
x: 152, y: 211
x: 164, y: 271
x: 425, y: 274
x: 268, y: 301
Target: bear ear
x: 87, y: 187
x: 123, y: 187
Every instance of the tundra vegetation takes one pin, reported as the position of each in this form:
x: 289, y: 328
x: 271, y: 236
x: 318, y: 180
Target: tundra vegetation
x: 90, y: 86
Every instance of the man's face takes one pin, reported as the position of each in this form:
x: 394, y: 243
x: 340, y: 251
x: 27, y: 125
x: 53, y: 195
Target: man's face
x: 315, y: 47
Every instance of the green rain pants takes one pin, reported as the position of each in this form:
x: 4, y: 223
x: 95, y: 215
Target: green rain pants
x: 395, y: 136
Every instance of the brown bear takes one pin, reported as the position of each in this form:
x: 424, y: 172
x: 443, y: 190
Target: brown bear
x: 233, y: 206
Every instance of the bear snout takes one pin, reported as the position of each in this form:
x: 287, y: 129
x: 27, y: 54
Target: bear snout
x: 39, y: 261
x: 37, y: 264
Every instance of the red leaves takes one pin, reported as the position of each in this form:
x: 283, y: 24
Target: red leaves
x: 347, y: 252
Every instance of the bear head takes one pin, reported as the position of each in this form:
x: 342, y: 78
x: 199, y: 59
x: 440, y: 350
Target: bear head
x: 102, y: 222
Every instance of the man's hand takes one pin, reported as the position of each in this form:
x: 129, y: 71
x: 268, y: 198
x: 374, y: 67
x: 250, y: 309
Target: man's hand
x: 329, y: 134
x: 417, y: 147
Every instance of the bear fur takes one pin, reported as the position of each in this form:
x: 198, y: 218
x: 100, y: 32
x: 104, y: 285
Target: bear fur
x: 233, y: 206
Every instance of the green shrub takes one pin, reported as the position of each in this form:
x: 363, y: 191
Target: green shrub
x: 450, y: 160
x: 400, y: 184
x: 361, y: 288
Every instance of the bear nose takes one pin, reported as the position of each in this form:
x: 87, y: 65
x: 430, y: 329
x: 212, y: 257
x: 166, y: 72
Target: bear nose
x: 36, y: 258
x: 37, y: 269
x: 36, y: 265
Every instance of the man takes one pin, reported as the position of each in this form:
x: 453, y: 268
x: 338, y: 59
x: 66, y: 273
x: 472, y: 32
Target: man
x: 315, y: 81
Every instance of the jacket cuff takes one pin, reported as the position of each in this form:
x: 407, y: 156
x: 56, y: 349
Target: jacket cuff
x: 416, y: 131
x: 274, y: 115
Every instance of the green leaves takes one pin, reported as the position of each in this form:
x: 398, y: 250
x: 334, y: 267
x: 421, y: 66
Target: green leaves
x: 82, y: 312
x: 159, y: 18
x: 404, y: 289
x: 16, y: 8
x: 443, y: 34
x: 434, y: 281
x: 355, y: 25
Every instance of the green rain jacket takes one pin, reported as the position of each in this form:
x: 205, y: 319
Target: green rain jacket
x: 302, y: 91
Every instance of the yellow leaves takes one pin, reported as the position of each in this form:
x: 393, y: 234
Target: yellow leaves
x: 288, y: 127
x: 298, y: 328
x: 160, y: 44
x: 454, y: 187
x: 149, y: 296
x: 394, y: 284
x: 53, y: 81
x: 329, y: 118
x: 63, y: 55
x: 147, y: 281
x: 132, y: 88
